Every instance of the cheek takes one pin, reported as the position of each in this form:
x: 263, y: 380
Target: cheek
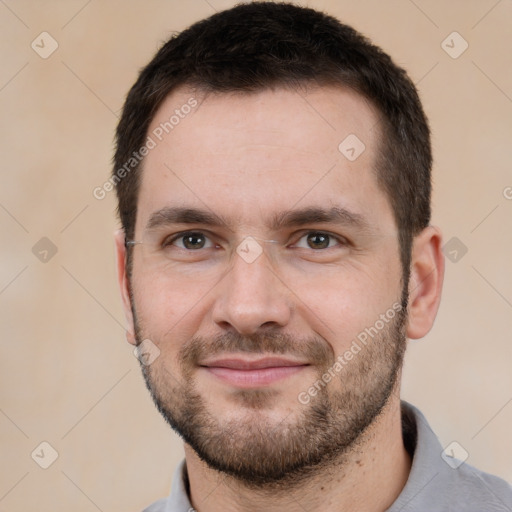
x: 168, y: 309
x: 343, y: 303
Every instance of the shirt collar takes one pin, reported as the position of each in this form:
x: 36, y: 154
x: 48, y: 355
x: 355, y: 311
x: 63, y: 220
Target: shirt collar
x: 430, y: 475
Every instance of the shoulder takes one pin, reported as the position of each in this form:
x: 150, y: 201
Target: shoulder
x: 438, y: 483
x: 478, y: 488
x: 158, y: 506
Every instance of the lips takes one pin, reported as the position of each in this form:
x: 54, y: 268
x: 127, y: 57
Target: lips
x: 247, y: 373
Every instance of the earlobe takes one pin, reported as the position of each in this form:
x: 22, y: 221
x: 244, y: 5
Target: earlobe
x: 425, y: 285
x: 119, y: 239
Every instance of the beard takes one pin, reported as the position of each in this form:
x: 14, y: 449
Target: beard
x: 259, y: 448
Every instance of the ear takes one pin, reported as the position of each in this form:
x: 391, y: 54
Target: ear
x: 124, y: 285
x: 426, y: 282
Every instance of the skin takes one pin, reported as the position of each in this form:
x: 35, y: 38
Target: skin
x: 247, y: 157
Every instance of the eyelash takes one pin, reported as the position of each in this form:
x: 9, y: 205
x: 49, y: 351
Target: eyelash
x: 169, y: 241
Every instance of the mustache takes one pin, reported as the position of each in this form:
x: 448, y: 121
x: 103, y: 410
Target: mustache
x: 313, y: 349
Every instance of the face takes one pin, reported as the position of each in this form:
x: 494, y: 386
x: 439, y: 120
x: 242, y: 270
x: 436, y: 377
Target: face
x: 268, y: 276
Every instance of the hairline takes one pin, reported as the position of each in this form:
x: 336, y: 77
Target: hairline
x: 309, y: 85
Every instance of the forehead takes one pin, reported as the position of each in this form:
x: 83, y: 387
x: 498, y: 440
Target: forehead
x: 246, y: 156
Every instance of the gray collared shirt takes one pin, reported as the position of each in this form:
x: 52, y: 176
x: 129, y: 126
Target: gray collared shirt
x: 436, y: 483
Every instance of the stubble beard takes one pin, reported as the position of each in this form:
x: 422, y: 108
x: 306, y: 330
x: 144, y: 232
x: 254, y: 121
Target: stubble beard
x: 266, y: 454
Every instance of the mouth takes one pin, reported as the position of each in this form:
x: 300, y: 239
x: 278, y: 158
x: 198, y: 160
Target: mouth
x: 245, y: 373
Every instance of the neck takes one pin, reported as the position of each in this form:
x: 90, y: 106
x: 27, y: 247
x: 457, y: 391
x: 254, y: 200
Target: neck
x: 370, y: 478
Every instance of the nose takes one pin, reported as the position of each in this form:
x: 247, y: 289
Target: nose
x: 252, y: 296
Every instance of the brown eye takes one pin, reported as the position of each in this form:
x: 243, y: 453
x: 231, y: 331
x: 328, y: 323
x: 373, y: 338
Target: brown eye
x: 318, y: 240
x: 191, y: 240
x: 194, y: 241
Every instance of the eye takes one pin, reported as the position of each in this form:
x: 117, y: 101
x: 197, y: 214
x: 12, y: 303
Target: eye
x: 190, y: 240
x: 320, y: 240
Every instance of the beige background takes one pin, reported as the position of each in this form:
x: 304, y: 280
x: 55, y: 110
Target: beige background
x: 67, y: 375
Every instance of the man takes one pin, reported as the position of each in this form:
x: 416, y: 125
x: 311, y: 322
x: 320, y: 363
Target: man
x: 273, y: 179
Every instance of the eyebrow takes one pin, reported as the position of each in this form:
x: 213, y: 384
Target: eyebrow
x: 286, y: 219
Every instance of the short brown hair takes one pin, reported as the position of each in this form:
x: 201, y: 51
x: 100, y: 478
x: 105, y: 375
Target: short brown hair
x: 261, y: 45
